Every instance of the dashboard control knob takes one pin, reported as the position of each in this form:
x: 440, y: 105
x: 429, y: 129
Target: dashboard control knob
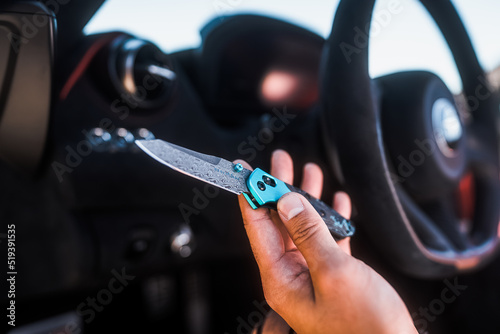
x: 144, y: 133
x: 99, y: 138
x: 182, y: 242
x: 123, y: 139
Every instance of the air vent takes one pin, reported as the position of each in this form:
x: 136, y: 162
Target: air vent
x: 141, y: 72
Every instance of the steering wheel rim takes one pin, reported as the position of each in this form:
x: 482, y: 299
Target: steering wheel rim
x: 352, y: 129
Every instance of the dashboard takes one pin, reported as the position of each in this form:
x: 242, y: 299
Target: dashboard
x: 101, y: 204
x: 249, y: 72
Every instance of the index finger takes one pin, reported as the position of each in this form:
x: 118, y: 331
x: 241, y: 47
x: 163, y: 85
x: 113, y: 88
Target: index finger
x: 265, y: 238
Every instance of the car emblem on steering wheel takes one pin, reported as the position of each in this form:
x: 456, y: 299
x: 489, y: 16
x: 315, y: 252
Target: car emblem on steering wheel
x: 446, y: 125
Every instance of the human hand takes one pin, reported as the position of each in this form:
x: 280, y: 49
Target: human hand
x: 308, y: 279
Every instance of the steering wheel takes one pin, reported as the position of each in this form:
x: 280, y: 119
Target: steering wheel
x: 405, y: 152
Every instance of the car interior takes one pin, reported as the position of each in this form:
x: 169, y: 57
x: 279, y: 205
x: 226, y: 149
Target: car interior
x: 98, y: 237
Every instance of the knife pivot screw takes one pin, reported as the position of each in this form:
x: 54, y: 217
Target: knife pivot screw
x: 269, y: 181
x: 238, y: 168
x: 261, y: 186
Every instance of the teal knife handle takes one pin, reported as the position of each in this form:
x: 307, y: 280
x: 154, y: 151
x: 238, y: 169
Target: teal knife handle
x: 266, y: 190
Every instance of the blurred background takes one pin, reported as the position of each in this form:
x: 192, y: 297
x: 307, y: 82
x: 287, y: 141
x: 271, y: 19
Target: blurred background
x: 406, y: 41
x: 117, y: 209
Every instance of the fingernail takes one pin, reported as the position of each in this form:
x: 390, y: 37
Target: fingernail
x: 277, y: 153
x: 290, y: 206
x: 310, y: 165
x: 338, y: 196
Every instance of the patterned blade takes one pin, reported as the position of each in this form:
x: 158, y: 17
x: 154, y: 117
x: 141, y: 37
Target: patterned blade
x: 213, y: 170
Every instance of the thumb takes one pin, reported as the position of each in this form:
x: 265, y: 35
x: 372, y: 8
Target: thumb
x: 309, y: 233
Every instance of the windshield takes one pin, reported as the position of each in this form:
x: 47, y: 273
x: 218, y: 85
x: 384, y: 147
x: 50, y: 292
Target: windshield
x: 406, y: 39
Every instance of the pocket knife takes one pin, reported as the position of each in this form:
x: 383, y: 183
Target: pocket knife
x: 260, y: 189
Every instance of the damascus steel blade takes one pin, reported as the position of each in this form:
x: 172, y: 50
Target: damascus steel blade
x: 207, y: 168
